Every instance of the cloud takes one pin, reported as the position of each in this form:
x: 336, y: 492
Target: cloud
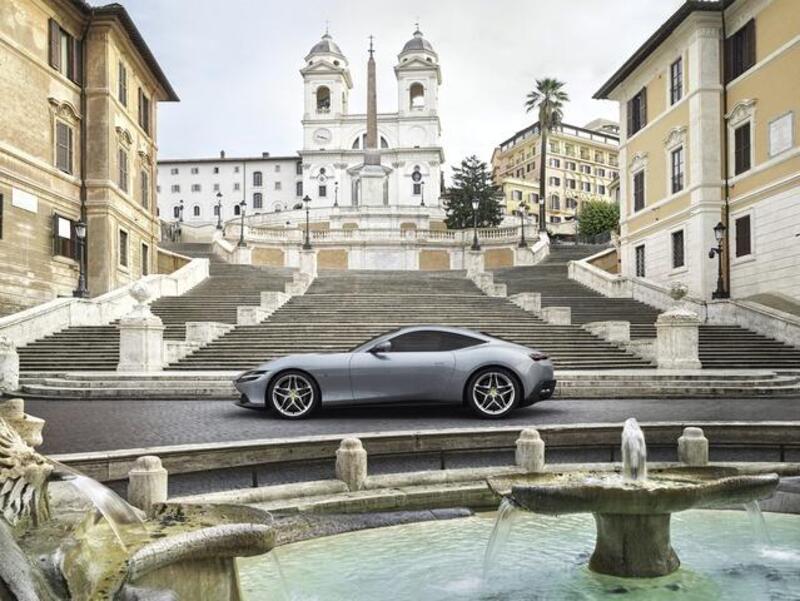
x: 235, y: 64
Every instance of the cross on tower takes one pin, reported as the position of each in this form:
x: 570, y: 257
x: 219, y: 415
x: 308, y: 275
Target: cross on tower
x: 327, y: 27
x: 371, y: 50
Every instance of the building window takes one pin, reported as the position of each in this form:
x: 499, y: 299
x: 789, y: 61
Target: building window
x: 298, y: 188
x: 637, y: 112
x: 640, y: 271
x: 601, y: 190
x: 638, y: 191
x: 258, y: 178
x: 277, y: 168
x: 196, y: 188
x: 555, y: 203
x: 555, y: 163
x: 741, y: 148
x: 323, y: 99
x: 196, y: 211
x: 144, y: 183
x: 236, y: 169
x: 416, y: 96
x: 555, y: 219
x: 123, y: 169
x: 599, y: 157
x: 600, y: 172
x: 584, y: 153
x: 516, y: 195
x: 64, y: 238
x: 216, y: 187
x: 174, y: 171
x: 258, y: 200
x: 236, y: 186
x: 740, y: 51
x: 676, y: 81
x: 570, y: 165
x: 64, y: 52
x: 278, y: 185
x: 145, y: 259
x: 195, y: 170
x: 123, y: 248
x: 416, y: 189
x: 176, y: 212
x: 585, y: 169
x: 144, y: 111
x: 122, y: 83
x: 237, y: 210
x: 555, y: 181
x: 216, y: 170
x: 678, y: 259
x: 586, y: 186
x: 64, y: 147
x: 298, y: 168
x: 677, y: 162
x: 323, y: 191
x: 216, y: 210
x: 743, y: 238
x: 555, y: 147
x: 572, y: 203
x: 175, y: 188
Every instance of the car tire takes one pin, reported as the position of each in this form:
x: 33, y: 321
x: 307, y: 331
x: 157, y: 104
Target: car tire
x: 493, y: 392
x: 293, y: 394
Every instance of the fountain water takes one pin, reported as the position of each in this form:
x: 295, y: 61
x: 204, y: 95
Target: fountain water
x: 632, y: 513
x: 500, y: 533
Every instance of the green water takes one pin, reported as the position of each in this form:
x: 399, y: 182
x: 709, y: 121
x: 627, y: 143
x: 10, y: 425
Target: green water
x: 544, y: 558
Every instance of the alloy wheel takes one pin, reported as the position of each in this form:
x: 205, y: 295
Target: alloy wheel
x: 293, y: 395
x: 493, y: 393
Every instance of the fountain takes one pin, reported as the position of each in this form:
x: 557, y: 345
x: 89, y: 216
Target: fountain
x: 65, y: 537
x: 632, y: 509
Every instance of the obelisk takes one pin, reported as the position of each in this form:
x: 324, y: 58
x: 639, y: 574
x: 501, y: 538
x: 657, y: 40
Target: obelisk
x: 372, y: 174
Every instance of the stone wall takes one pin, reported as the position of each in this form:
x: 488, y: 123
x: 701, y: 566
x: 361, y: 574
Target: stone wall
x: 167, y: 262
x: 332, y: 258
x: 496, y: 258
x: 607, y: 262
x: 434, y: 260
x: 274, y: 257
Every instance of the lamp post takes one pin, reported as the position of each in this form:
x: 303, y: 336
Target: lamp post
x: 336, y: 193
x: 475, y: 244
x: 307, y: 241
x: 719, y: 234
x: 522, y: 209
x: 242, y: 206
x: 422, y: 193
x: 80, y: 234
x: 180, y: 211
x: 219, y: 210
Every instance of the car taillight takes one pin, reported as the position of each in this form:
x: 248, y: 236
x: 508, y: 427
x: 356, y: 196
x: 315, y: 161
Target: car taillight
x: 539, y: 356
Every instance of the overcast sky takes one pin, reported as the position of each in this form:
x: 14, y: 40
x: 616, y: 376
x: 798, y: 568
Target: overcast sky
x: 235, y: 63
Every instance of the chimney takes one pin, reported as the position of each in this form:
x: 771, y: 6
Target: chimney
x: 222, y: 154
x: 264, y: 155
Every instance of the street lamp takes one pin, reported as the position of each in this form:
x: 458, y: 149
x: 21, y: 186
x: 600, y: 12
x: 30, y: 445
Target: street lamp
x: 80, y: 234
x: 307, y: 241
x: 242, y: 206
x: 180, y: 211
x: 475, y: 204
x: 336, y: 194
x: 219, y: 210
x: 422, y: 193
x: 719, y: 235
x: 522, y: 209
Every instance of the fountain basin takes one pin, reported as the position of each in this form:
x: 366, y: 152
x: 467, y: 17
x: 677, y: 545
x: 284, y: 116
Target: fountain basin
x: 633, y: 516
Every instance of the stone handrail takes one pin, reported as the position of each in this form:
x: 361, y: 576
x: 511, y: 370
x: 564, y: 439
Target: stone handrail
x: 58, y: 314
x: 599, y: 280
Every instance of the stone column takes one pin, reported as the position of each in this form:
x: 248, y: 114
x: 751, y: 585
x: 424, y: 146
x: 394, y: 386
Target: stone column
x: 147, y: 483
x: 474, y: 262
x: 530, y: 451
x: 141, y: 336
x: 308, y: 262
x: 693, y: 447
x: 678, y: 340
x: 9, y: 366
x: 351, y: 463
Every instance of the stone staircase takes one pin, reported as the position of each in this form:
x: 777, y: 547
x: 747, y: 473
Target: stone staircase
x: 343, y: 309
x: 721, y: 347
x: 228, y: 286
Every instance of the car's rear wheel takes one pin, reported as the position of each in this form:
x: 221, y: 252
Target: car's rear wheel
x: 293, y: 395
x: 493, y: 392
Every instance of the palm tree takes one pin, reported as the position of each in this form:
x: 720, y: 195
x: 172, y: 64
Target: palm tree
x: 549, y: 98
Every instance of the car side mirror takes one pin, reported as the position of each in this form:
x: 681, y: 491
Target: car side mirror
x: 381, y: 347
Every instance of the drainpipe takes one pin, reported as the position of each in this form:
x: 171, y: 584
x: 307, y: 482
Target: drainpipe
x: 725, y: 160
x: 84, y: 128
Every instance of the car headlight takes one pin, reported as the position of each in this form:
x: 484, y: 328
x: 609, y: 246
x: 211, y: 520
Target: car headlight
x: 253, y: 374
x: 538, y: 356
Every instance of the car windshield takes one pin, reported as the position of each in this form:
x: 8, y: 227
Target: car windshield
x: 373, y: 339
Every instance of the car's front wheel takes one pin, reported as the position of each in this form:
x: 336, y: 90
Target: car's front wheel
x: 493, y: 392
x: 293, y: 395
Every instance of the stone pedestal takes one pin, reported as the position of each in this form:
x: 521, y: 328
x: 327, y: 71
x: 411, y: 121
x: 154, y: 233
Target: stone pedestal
x: 473, y: 262
x: 27, y: 426
x: 141, y: 344
x: 242, y: 255
x: 351, y: 463
x: 308, y: 263
x: 530, y: 451
x: 9, y: 366
x: 633, y: 546
x: 693, y: 447
x: 678, y: 340
x: 147, y: 483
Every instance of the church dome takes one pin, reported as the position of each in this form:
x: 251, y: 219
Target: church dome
x: 326, y: 46
x: 418, y: 43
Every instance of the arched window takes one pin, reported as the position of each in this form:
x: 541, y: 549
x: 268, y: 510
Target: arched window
x: 196, y: 210
x: 257, y: 178
x: 258, y: 200
x: 555, y: 203
x: 237, y: 210
x: 277, y: 207
x: 416, y: 96
x: 176, y: 211
x: 384, y: 143
x: 361, y: 141
x: 323, y: 99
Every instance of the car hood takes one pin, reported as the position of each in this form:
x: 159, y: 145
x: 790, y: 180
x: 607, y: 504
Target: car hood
x: 296, y: 360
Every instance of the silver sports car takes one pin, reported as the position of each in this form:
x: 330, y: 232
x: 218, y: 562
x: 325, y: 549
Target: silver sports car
x: 421, y: 363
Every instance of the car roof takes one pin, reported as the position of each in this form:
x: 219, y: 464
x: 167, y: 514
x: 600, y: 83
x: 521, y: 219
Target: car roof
x: 437, y: 328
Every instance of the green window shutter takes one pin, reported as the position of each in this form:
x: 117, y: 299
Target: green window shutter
x: 55, y: 44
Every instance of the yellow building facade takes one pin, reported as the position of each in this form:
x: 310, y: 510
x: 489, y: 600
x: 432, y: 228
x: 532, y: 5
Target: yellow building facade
x: 709, y: 109
x: 582, y: 162
x: 77, y: 145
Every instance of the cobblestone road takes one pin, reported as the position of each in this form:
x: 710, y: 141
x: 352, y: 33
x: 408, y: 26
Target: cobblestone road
x: 74, y: 426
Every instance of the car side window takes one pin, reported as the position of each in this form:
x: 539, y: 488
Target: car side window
x: 431, y: 341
